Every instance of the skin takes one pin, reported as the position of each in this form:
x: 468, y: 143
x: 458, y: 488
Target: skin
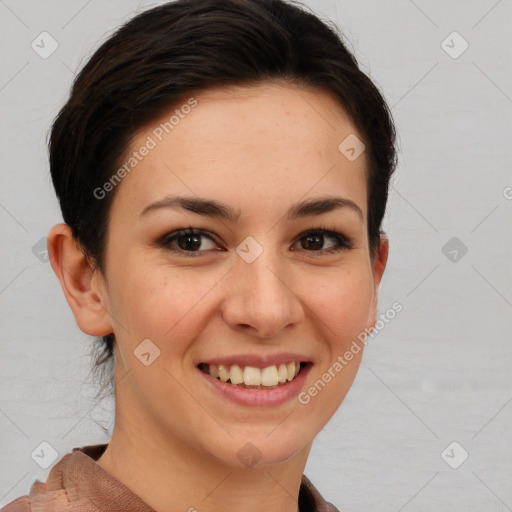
x: 260, y: 150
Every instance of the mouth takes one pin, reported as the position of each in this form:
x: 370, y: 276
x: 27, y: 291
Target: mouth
x: 252, y: 377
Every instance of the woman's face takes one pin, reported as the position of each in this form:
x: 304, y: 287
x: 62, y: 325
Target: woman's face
x: 251, y: 288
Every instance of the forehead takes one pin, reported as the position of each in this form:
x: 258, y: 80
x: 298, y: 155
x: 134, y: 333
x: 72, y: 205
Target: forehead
x: 244, y: 145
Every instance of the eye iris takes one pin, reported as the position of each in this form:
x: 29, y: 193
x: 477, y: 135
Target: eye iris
x: 312, y: 239
x: 189, y: 246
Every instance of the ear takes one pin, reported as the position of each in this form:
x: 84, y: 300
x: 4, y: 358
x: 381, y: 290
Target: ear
x: 379, y: 265
x: 83, y: 287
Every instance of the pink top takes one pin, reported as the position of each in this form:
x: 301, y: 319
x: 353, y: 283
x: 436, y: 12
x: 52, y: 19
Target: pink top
x: 77, y: 483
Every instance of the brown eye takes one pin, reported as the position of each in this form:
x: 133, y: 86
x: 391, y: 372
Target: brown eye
x: 188, y: 240
x: 314, y: 241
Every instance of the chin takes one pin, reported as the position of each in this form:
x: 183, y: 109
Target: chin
x: 264, y: 449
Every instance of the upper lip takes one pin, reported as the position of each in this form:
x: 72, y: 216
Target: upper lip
x: 257, y: 360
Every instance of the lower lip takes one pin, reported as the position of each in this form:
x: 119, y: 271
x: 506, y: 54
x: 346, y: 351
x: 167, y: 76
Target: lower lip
x: 259, y: 397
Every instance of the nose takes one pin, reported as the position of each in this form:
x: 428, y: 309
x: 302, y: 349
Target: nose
x: 260, y: 298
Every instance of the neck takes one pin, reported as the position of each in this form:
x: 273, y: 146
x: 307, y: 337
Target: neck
x: 169, y: 475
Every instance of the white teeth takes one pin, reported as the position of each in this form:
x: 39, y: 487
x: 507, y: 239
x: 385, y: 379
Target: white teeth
x: 236, y: 375
x: 223, y: 373
x: 282, y: 373
x: 252, y: 376
x: 271, y: 376
x: 290, y: 367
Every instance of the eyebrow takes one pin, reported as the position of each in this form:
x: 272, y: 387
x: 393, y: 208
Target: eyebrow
x: 213, y: 208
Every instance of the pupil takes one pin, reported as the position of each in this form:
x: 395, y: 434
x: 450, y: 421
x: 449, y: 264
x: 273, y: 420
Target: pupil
x: 312, y: 240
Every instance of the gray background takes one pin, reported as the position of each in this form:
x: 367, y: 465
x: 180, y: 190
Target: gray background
x: 438, y: 373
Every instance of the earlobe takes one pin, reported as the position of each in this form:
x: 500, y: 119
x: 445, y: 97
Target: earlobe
x: 78, y: 281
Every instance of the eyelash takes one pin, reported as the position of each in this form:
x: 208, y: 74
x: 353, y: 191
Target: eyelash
x: 343, y: 243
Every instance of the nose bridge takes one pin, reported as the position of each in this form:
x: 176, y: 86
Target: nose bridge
x: 265, y: 280
x: 261, y: 297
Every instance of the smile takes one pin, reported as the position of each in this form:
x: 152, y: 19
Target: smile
x: 251, y: 377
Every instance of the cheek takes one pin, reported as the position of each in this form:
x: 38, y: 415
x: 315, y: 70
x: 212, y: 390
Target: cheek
x: 342, y: 306
x: 342, y: 303
x: 161, y: 304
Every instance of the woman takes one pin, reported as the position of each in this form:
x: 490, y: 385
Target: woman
x: 222, y: 168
